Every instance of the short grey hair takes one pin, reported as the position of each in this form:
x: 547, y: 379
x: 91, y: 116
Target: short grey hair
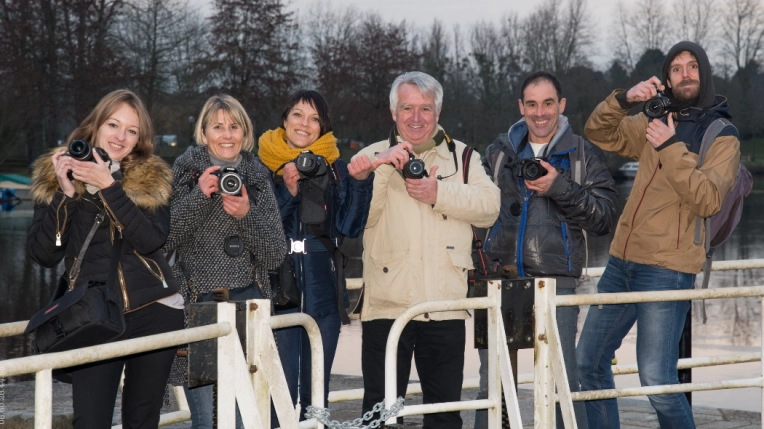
x: 427, y: 85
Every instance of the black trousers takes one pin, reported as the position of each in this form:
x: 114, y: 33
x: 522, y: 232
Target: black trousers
x: 438, y: 349
x: 95, y: 385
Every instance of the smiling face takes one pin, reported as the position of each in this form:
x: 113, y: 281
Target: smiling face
x: 118, y: 135
x: 541, y: 109
x: 223, y: 136
x: 684, y: 77
x: 415, y: 115
x: 302, y: 125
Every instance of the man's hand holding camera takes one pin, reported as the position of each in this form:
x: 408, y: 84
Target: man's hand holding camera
x: 397, y: 155
x: 543, y: 183
x: 644, y: 91
x: 424, y: 190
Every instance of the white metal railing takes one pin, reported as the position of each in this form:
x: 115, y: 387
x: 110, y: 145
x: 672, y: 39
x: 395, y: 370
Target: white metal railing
x: 549, y: 366
x: 254, y: 379
x: 499, y: 373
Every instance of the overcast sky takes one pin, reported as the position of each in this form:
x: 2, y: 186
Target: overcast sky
x: 421, y: 13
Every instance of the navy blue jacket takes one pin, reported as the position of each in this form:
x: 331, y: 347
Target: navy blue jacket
x: 347, y: 208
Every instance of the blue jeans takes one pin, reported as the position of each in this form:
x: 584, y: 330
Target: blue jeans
x: 294, y: 352
x: 200, y: 403
x: 567, y: 326
x: 659, y: 328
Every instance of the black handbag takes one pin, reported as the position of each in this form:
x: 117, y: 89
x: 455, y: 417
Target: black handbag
x: 284, y: 285
x: 85, y: 315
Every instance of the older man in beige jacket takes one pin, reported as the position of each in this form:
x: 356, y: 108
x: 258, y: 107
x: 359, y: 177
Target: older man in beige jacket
x: 417, y: 246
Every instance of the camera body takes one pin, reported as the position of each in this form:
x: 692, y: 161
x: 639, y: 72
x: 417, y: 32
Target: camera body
x: 310, y: 165
x: 82, y: 151
x: 230, y: 181
x: 530, y: 169
x: 414, y: 168
x: 657, y: 106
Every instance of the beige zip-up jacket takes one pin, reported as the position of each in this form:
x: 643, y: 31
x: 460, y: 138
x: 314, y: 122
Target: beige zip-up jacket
x: 657, y: 226
x: 416, y: 252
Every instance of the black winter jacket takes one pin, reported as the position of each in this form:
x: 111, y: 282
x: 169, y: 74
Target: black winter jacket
x: 542, y: 234
x: 137, y: 207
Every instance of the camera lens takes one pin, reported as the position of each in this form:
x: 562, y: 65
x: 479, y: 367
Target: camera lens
x: 230, y: 183
x: 79, y: 150
x: 415, y: 169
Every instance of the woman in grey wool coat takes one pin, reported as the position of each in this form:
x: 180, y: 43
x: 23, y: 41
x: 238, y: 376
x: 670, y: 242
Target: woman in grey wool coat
x: 222, y: 240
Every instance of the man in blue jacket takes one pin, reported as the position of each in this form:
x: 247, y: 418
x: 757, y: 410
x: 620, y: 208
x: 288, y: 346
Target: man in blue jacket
x: 544, y: 216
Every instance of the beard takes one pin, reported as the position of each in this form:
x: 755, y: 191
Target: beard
x: 686, y: 90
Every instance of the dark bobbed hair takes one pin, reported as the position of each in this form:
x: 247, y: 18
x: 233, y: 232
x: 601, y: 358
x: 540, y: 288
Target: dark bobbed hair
x: 314, y: 99
x: 541, y: 76
x: 110, y: 103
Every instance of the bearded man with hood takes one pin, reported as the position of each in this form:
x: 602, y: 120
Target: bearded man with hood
x: 654, y: 245
x: 540, y: 230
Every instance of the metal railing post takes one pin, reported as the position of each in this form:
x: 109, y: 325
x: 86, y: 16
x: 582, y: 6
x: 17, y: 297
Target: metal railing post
x: 543, y: 382
x: 226, y: 381
x: 43, y: 399
x: 258, y: 321
x: 494, y: 342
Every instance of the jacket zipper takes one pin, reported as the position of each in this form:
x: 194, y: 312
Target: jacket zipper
x: 565, y: 244
x: 679, y: 225
x: 123, y: 286
x: 634, y: 217
x: 159, y: 276
x: 59, y: 227
x: 112, y: 215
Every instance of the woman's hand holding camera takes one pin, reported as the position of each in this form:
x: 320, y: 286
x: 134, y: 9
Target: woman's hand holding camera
x: 93, y: 173
x: 291, y: 177
x: 208, y: 182
x: 360, y: 168
x: 644, y: 91
x: 237, y: 207
x: 62, y: 165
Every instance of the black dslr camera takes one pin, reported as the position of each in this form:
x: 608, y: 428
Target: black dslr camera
x: 530, y: 169
x: 414, y: 168
x: 82, y: 151
x: 230, y: 181
x: 310, y: 165
x: 657, y: 106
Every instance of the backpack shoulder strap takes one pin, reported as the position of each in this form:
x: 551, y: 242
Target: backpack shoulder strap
x: 709, y: 137
x: 466, y: 156
x: 578, y: 161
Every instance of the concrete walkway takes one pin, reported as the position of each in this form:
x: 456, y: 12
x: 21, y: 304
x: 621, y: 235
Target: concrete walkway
x: 18, y: 409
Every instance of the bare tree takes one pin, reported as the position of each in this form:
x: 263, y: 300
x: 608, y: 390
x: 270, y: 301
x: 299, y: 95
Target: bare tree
x: 640, y: 26
x: 556, y: 36
x: 693, y: 20
x: 151, y: 31
x: 743, y: 35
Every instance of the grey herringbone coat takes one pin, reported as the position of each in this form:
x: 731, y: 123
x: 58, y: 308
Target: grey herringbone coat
x: 199, y: 227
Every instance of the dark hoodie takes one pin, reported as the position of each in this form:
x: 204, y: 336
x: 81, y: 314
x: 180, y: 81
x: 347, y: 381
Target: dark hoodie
x: 692, y: 121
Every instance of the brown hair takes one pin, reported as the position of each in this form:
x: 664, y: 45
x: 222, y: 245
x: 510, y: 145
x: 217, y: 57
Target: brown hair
x: 234, y: 109
x: 110, y: 103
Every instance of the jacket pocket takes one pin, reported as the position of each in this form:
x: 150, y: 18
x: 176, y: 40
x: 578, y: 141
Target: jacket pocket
x: 389, y: 280
x: 454, y: 276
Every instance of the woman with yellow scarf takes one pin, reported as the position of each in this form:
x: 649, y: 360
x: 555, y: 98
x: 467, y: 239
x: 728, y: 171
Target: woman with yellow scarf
x: 322, y: 200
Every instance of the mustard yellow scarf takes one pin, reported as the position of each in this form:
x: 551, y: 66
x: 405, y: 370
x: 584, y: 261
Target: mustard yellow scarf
x: 274, y: 151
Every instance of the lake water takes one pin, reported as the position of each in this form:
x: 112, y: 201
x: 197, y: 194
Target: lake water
x: 733, y: 325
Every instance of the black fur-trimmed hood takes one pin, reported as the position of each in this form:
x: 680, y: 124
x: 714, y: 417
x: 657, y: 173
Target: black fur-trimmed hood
x: 148, y: 184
